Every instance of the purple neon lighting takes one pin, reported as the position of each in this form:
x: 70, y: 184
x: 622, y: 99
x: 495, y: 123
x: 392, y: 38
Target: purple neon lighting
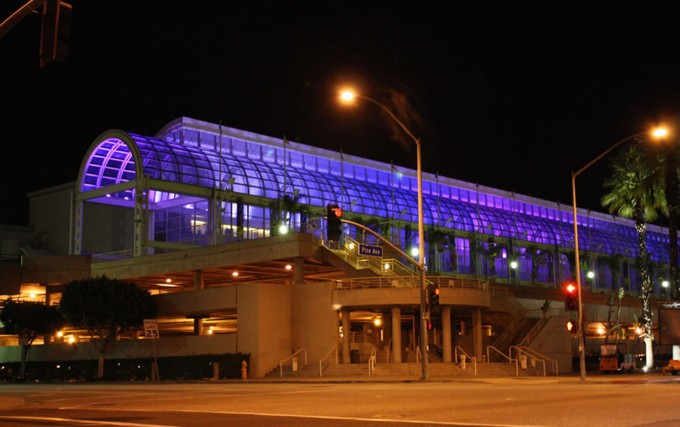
x: 247, y: 167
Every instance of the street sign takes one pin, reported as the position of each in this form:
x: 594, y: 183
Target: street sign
x: 370, y: 250
x: 151, y: 329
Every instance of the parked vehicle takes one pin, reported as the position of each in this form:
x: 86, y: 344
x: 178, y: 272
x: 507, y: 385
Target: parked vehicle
x: 612, y: 360
x: 672, y: 368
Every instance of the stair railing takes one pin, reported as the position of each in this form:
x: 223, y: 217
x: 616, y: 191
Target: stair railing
x: 535, y: 355
x: 387, y: 347
x: 321, y: 361
x: 302, y: 350
x: 372, y: 359
x: 473, y: 359
x: 497, y: 351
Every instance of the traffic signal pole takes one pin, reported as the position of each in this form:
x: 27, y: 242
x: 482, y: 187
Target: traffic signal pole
x: 25, y: 10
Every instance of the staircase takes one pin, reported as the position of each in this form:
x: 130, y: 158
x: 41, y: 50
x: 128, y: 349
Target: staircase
x: 412, y: 370
x: 347, y: 258
x: 517, y: 327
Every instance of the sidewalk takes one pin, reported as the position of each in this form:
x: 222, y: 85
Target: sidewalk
x: 595, y: 377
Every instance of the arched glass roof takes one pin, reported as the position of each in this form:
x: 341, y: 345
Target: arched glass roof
x: 254, y: 165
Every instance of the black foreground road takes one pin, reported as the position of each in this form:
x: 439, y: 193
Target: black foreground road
x: 631, y: 400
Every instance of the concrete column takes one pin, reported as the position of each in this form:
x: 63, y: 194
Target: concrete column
x: 477, y: 333
x: 346, y: 330
x: 198, y: 285
x: 299, y: 271
x: 198, y: 279
x: 446, y: 333
x: 198, y: 326
x: 48, y: 301
x: 396, y: 335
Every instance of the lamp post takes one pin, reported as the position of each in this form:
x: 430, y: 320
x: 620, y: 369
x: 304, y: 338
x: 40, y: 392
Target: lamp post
x: 657, y: 133
x: 348, y: 96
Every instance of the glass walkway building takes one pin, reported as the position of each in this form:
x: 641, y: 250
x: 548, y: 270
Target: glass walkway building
x: 227, y: 228
x: 197, y: 183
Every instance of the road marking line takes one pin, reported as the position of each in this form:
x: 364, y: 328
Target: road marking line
x: 329, y: 417
x: 72, y: 421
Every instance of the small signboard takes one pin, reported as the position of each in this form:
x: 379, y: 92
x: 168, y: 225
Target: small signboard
x: 151, y: 329
x: 370, y: 250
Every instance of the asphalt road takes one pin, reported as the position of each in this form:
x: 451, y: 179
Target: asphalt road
x: 631, y: 400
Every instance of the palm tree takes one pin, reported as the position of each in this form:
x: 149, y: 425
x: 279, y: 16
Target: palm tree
x: 636, y: 192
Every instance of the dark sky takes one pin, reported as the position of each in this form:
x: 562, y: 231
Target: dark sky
x: 513, y: 95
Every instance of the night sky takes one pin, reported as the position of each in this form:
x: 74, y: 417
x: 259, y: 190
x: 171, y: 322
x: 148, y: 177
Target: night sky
x: 512, y: 95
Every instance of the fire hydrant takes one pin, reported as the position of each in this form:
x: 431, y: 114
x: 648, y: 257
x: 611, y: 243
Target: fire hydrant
x: 244, y: 370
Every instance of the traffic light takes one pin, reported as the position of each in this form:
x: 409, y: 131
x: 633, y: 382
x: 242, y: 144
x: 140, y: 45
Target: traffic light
x: 572, y: 326
x: 56, y: 31
x: 570, y: 296
x: 333, y: 223
x: 433, y: 296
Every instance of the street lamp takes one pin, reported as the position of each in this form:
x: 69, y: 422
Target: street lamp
x: 348, y: 96
x: 659, y: 132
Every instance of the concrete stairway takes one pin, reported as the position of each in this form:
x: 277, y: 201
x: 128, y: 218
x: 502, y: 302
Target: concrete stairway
x: 435, y: 370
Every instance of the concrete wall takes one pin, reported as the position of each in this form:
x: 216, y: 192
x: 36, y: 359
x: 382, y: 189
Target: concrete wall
x: 50, y: 213
x: 109, y: 228
x: 315, y: 322
x: 555, y: 342
x: 409, y: 296
x: 203, y: 301
x: 264, y: 325
x: 126, y: 349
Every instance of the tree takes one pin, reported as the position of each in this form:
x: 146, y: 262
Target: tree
x: 106, y: 308
x: 615, y: 299
x: 29, y: 320
x: 636, y: 191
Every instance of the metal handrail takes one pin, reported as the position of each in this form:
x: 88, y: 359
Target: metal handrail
x: 536, y: 356
x: 538, y: 326
x: 409, y: 281
x: 473, y: 359
x: 334, y: 349
x: 290, y: 358
x: 387, y: 350
x: 372, y: 360
x: 488, y: 355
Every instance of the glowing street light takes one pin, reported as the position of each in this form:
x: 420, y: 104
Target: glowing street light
x: 657, y: 133
x: 348, y: 96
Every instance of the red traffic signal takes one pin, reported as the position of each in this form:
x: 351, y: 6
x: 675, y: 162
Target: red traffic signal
x: 433, y: 296
x: 571, y: 326
x: 333, y: 223
x: 570, y: 296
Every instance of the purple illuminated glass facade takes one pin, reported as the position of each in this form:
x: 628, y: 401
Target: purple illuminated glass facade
x: 200, y: 183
